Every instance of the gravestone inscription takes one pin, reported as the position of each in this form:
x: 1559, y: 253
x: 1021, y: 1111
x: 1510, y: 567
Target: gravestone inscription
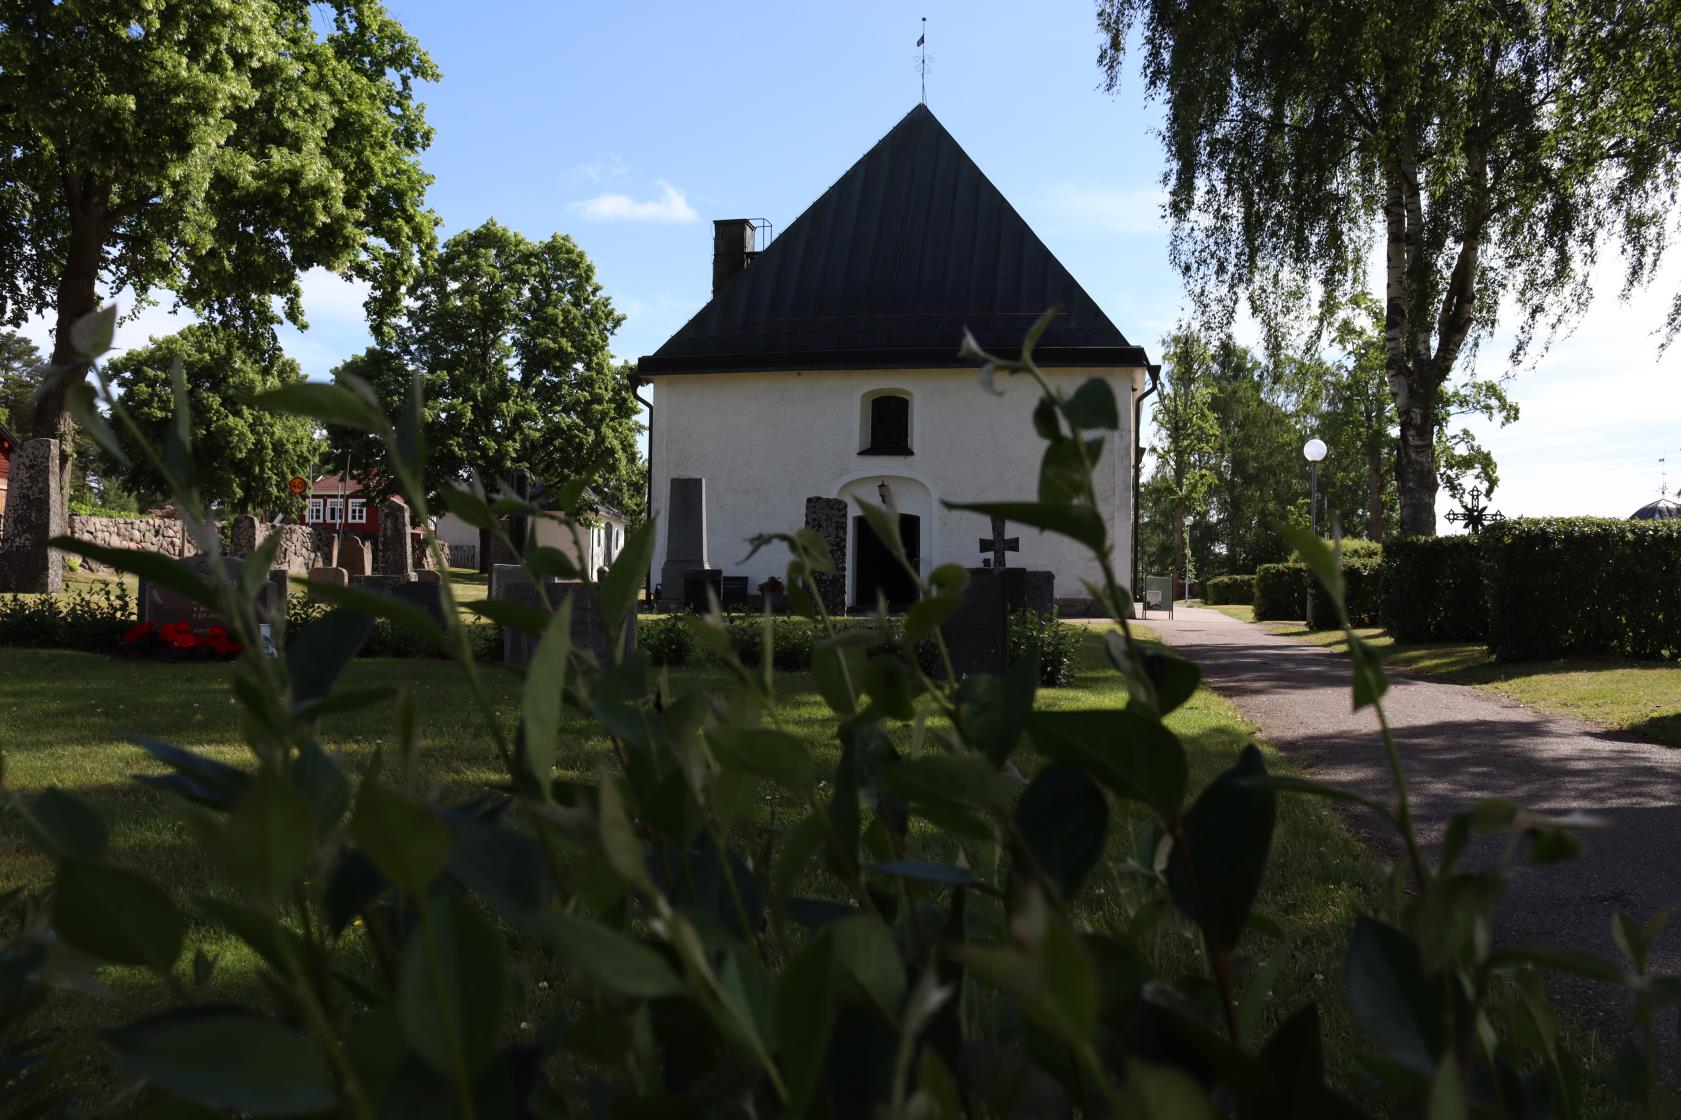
x: 161, y: 606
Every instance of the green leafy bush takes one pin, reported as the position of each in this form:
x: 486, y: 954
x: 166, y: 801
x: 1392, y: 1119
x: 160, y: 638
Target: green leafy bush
x: 1058, y: 645
x: 93, y: 619
x: 668, y: 640
x: 1433, y: 589
x: 913, y: 934
x: 1280, y: 591
x: 1223, y: 590
x: 1593, y: 586
x: 1362, y: 575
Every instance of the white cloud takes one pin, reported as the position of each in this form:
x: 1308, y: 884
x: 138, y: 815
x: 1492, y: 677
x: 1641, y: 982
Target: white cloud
x: 601, y: 170
x: 670, y: 207
x: 1090, y: 208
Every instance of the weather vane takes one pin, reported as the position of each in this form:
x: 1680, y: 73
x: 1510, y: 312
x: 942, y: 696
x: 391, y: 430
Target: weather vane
x: 922, y: 60
x: 1475, y: 514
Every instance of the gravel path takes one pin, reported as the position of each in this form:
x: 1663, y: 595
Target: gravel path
x: 1461, y: 744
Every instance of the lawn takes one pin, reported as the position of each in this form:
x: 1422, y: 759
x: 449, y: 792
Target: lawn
x: 1640, y: 697
x: 73, y: 737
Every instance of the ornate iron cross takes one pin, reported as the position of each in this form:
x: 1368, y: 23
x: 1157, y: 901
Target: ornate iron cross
x: 999, y: 544
x: 1475, y: 514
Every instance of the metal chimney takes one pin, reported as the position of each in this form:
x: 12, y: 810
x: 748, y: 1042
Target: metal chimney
x: 732, y: 247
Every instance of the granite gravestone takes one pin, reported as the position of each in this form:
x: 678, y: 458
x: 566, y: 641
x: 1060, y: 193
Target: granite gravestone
x: 395, y: 554
x: 353, y: 556
x: 428, y: 595
x: 978, y: 634
x: 335, y: 577
x: 701, y: 588
x: 34, y: 515
x: 827, y: 518
x: 685, y: 536
x: 161, y: 606
x: 512, y: 584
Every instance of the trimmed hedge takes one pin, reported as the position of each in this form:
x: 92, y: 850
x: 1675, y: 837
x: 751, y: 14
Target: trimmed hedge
x: 1362, y: 577
x: 1280, y: 591
x: 1433, y: 589
x: 1597, y: 586
x: 1229, y: 589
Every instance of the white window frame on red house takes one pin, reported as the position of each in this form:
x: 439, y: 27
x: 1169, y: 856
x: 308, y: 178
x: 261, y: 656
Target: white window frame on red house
x: 357, y: 511
x: 316, y: 508
x: 335, y: 511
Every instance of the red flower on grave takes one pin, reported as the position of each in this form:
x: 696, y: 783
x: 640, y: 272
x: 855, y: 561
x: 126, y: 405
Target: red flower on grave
x: 137, y: 631
x: 216, y: 632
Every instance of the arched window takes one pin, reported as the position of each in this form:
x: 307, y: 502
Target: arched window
x: 887, y: 424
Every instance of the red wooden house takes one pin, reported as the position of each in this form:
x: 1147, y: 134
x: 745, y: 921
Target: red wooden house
x: 8, y: 444
x: 336, y: 501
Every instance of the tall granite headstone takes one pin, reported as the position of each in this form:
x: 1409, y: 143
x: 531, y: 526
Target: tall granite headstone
x: 242, y: 535
x: 395, y: 554
x: 685, y: 535
x: 34, y: 515
x: 827, y: 518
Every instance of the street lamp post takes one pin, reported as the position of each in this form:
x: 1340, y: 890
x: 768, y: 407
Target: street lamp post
x: 1313, y: 451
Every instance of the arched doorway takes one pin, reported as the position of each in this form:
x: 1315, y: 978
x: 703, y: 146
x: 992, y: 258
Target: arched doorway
x: 879, y: 572
x: 870, y: 565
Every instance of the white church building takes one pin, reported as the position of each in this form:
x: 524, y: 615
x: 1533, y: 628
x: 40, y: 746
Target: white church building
x: 826, y: 365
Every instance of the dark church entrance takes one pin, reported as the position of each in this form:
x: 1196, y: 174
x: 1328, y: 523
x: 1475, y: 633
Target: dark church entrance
x: 878, y: 570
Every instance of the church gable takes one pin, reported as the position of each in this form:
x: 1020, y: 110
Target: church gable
x: 909, y: 248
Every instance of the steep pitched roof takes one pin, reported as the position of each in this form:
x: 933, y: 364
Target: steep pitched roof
x: 887, y: 268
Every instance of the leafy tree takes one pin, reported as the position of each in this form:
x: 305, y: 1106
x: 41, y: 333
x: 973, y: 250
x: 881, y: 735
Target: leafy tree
x: 22, y: 369
x: 20, y: 361
x: 1260, y: 478
x: 214, y: 150
x: 1502, y: 145
x: 1187, y: 433
x: 510, y: 338
x: 244, y: 455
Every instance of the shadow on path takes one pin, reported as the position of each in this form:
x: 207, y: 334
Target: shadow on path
x: 1460, y: 745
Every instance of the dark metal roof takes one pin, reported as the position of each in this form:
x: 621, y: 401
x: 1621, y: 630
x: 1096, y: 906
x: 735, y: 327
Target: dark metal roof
x: 1661, y: 510
x: 887, y: 268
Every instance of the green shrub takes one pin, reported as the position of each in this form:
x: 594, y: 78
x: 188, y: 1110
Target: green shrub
x: 1362, y: 577
x: 1433, y: 589
x: 635, y: 940
x: 792, y: 640
x: 1058, y: 645
x: 668, y: 639
x: 93, y: 619
x: 1594, y: 586
x: 1280, y: 591
x: 1222, y: 590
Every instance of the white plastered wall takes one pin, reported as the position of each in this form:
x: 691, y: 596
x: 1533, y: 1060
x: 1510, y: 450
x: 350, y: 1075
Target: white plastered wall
x: 765, y: 442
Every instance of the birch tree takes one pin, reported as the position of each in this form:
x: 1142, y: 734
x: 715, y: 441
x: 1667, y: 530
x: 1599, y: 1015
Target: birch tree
x: 1499, y: 145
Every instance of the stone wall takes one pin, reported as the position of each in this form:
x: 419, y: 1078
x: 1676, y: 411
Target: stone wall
x: 297, y: 547
x: 166, y: 535
x: 154, y: 534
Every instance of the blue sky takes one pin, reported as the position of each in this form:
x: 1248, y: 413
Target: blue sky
x: 632, y: 126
